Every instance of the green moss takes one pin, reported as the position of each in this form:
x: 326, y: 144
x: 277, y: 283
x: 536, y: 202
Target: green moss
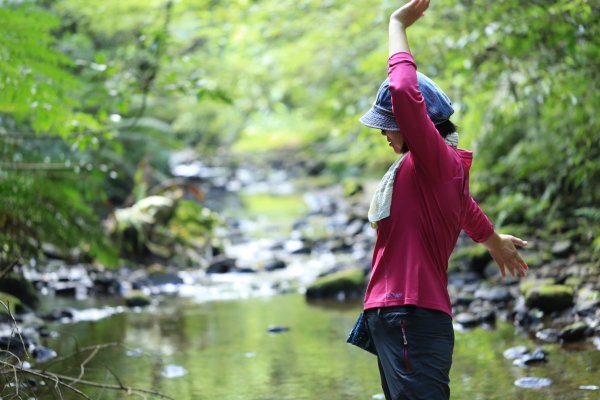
x: 554, y: 290
x: 533, y: 260
x: 351, y: 283
x: 527, y: 284
x: 573, y: 281
x: 352, y: 187
x: 137, y: 298
x: 550, y: 298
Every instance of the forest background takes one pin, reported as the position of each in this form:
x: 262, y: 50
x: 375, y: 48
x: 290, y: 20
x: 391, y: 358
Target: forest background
x: 94, y: 95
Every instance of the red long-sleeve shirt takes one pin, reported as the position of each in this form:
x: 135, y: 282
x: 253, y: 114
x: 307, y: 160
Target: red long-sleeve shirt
x: 430, y: 205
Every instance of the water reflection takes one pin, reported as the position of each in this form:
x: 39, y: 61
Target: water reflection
x: 228, y: 353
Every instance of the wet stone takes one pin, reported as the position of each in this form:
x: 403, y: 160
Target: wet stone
x: 487, y: 316
x: 515, y: 352
x: 467, y: 320
x: 574, y: 332
x: 173, y: 371
x: 221, y: 265
x: 464, y: 299
x: 562, y: 248
x: 355, y: 227
x: 43, y: 354
x: 537, y: 357
x: 530, y: 382
x: 549, y: 335
x: 275, y: 265
x: 277, y: 329
x: 494, y: 294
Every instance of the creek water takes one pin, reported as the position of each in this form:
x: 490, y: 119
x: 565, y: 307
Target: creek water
x: 224, y: 350
x: 220, y: 347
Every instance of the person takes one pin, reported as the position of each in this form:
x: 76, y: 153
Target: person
x: 419, y: 209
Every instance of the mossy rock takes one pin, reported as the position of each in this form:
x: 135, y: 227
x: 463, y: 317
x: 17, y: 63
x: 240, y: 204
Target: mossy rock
x: 534, y: 260
x: 11, y: 303
x: 476, y: 258
x: 351, y: 283
x: 137, y: 298
x: 549, y: 298
x: 574, y: 281
x: 574, y: 332
x: 527, y: 284
x: 351, y: 188
x: 16, y: 285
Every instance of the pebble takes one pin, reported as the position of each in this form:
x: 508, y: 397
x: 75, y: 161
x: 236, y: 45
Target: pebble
x: 537, y: 357
x: 530, y: 382
x: 515, y: 352
x: 548, y: 335
x: 173, y: 371
x: 277, y: 329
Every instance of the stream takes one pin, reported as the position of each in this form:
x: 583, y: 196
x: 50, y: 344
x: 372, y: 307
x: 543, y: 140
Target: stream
x: 243, y: 336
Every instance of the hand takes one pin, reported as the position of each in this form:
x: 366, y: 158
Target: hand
x: 410, y: 12
x: 503, y: 251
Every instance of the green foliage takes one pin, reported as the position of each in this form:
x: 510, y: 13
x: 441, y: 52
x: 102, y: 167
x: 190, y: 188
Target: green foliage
x: 94, y: 94
x: 525, y: 72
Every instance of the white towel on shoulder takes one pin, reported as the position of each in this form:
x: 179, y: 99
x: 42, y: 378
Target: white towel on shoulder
x: 381, y: 203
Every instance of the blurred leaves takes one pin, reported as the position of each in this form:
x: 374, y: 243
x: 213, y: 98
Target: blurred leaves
x: 93, y: 91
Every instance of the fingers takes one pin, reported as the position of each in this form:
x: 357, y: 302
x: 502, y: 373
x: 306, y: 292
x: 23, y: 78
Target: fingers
x: 501, y: 267
x: 518, y: 242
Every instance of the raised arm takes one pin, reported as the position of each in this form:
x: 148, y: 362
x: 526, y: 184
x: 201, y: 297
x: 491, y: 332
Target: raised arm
x: 428, y: 148
x: 401, y: 19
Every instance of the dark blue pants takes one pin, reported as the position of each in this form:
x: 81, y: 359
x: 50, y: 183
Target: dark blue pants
x: 414, y: 347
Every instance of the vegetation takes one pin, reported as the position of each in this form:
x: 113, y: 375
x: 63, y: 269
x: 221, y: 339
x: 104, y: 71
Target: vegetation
x: 93, y: 95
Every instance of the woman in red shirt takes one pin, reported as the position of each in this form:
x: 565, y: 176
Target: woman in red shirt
x: 419, y: 209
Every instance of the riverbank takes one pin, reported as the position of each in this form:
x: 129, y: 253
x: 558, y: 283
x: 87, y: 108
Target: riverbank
x: 321, y: 232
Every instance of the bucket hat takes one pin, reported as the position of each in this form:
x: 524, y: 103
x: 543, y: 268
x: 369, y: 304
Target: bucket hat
x: 380, y: 116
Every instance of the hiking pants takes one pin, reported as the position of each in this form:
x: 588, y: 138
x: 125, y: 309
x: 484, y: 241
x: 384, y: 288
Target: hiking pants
x: 414, y: 347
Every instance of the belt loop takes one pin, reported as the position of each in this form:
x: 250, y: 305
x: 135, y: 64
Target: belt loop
x: 378, y: 311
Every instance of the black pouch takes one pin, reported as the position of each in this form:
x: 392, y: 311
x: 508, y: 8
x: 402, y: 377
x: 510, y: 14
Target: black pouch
x: 360, y: 335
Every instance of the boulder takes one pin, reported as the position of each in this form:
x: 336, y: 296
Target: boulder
x: 562, y: 248
x: 275, y: 265
x: 350, y: 283
x: 549, y: 298
x: 222, y: 265
x: 588, y: 301
x: 527, y: 284
x: 548, y: 335
x: 137, y: 298
x: 574, y: 332
x: 494, y: 294
x: 158, y: 275
x: 467, y: 320
x: 536, y: 357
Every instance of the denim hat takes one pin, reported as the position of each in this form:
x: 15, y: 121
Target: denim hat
x: 380, y: 116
